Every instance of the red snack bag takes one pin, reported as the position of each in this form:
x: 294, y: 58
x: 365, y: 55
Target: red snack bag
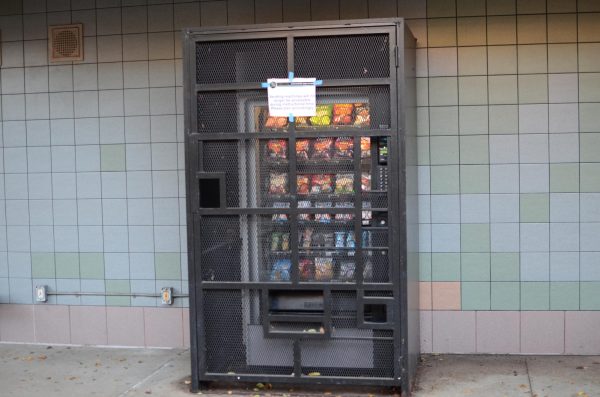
x: 276, y: 122
x: 342, y: 113
x: 277, y: 148
x: 365, y: 182
x: 306, y: 269
x: 344, y: 148
x: 321, y: 183
x: 278, y: 183
x: 302, y: 184
x: 322, y: 148
x: 365, y: 147
x: 302, y: 146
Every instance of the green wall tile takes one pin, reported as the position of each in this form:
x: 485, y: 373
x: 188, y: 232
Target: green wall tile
x: 590, y: 177
x: 564, y: 296
x: 589, y: 149
x: 112, y: 157
x: 42, y: 265
x: 505, y: 266
x: 444, y: 179
x: 590, y: 295
x: 121, y: 286
x: 445, y: 267
x: 425, y: 266
x: 474, y: 178
x: 535, y: 295
x: 474, y: 149
x: 475, y: 237
x: 168, y: 265
x: 535, y: 207
x: 91, y: 265
x: 444, y: 150
x: 505, y: 296
x: 564, y: 178
x: 475, y: 295
x: 67, y: 265
x: 475, y: 267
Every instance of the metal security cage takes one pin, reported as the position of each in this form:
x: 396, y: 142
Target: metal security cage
x: 302, y: 234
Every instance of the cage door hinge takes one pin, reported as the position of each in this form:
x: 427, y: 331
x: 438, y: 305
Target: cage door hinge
x: 396, y: 56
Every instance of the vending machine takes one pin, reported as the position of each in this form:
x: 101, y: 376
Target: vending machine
x: 302, y: 229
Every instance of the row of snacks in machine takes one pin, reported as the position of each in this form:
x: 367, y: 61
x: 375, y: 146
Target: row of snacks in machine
x: 310, y: 239
x: 320, y: 269
x: 337, y: 114
x: 342, y: 183
x: 367, y: 216
x: 319, y: 148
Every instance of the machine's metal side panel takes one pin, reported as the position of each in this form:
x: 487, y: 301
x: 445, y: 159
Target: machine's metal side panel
x: 408, y: 94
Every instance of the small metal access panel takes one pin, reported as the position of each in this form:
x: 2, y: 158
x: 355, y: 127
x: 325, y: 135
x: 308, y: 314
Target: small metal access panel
x: 299, y: 247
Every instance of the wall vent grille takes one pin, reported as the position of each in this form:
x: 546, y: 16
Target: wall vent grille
x: 65, y: 43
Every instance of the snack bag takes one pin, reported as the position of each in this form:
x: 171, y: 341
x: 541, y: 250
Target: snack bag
x: 301, y: 122
x: 277, y: 149
x: 322, y: 148
x: 344, y: 217
x: 302, y: 184
x: 302, y: 146
x: 328, y: 240
x: 323, y: 115
x: 321, y: 183
x: 280, y: 271
x: 367, y: 216
x: 324, y: 218
x: 276, y: 122
x: 275, y: 241
x: 323, y: 269
x: 368, y: 271
x: 365, y: 147
x: 365, y: 182
x: 342, y: 113
x: 306, y: 269
x: 344, y: 184
x: 350, y: 240
x: 285, y: 241
x: 344, y: 148
x: 280, y: 218
x: 278, y: 183
x: 347, y: 270
x: 304, y: 204
x: 362, y: 117
x: 306, y: 237
x: 340, y: 239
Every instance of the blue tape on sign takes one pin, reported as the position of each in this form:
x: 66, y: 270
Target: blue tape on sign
x: 319, y: 82
x: 291, y: 75
x: 264, y: 85
x: 291, y: 118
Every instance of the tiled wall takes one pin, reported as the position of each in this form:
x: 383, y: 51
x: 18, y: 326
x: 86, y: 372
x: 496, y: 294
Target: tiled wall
x: 509, y: 154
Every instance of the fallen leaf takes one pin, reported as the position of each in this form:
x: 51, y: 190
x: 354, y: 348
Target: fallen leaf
x: 73, y: 378
x: 581, y: 367
x: 314, y: 374
x: 187, y: 382
x: 522, y: 386
x: 260, y: 386
x: 148, y: 392
x: 42, y: 357
x: 27, y: 358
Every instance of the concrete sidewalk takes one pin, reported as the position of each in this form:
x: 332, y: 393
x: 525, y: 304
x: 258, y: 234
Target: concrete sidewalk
x: 53, y: 371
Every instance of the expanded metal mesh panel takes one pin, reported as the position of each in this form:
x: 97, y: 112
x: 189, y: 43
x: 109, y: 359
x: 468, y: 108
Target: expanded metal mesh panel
x: 223, y: 156
x: 231, y: 111
x: 221, y: 257
x: 240, y: 61
x: 376, y: 266
x: 342, y: 57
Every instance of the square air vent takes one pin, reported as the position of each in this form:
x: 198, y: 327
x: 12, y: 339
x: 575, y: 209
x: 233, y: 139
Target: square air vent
x: 65, y: 43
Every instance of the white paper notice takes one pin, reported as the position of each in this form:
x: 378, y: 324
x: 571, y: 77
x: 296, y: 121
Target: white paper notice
x: 296, y: 98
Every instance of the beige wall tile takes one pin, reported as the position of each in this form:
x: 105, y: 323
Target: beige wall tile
x: 533, y: 88
x: 501, y: 30
x: 443, y: 91
x: 441, y: 8
x: 441, y: 32
x: 589, y: 57
x: 465, y: 8
x: 562, y: 58
x: 500, y: 7
x: 532, y: 58
x: 558, y: 6
x: 471, y: 31
x: 472, y: 61
x: 562, y: 28
x: 531, y: 6
x: 442, y: 61
x: 88, y: 325
x: 472, y: 90
x: 531, y: 29
x: 502, y: 89
x: 52, y: 324
x: 349, y: 9
x: 502, y: 59
x: 589, y: 27
x: 589, y: 87
x: 504, y: 119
